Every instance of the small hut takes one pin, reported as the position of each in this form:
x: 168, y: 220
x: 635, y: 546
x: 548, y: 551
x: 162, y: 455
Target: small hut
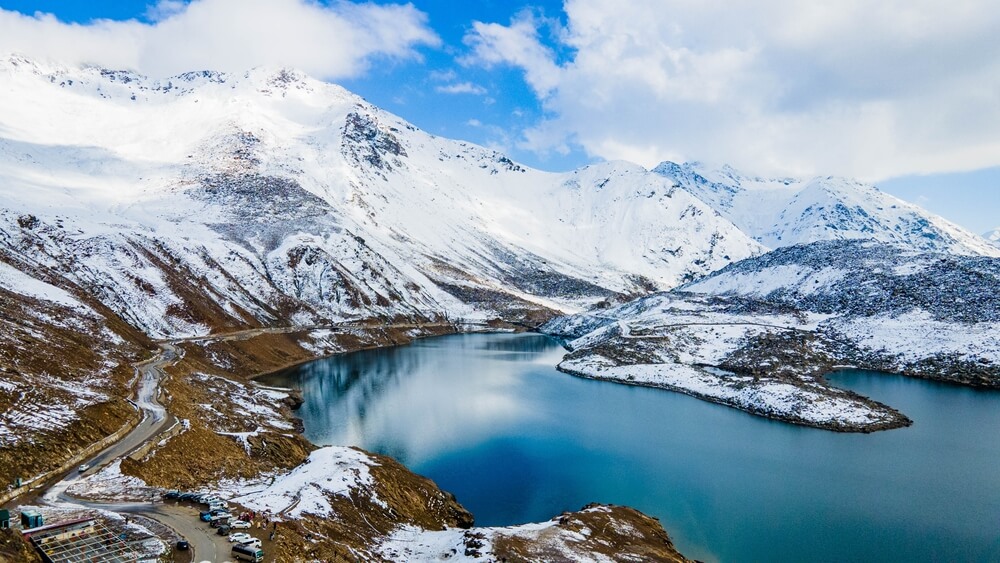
x: 31, y: 519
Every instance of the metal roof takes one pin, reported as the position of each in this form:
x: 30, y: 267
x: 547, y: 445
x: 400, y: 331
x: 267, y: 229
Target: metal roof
x: 92, y: 542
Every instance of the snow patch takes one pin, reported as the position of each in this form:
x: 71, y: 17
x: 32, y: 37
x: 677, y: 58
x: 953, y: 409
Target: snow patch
x: 329, y: 472
x: 15, y: 281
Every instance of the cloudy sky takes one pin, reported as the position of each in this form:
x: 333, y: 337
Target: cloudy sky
x: 905, y: 93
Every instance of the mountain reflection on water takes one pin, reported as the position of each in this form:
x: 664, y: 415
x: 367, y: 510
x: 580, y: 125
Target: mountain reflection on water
x: 414, y: 402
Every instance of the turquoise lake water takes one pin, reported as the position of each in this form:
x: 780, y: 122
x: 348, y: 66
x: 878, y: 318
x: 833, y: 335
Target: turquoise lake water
x: 488, y: 417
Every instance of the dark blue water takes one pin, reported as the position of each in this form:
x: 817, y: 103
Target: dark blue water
x: 490, y: 419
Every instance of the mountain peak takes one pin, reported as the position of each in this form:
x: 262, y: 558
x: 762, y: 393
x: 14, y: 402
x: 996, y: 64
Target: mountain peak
x: 993, y: 236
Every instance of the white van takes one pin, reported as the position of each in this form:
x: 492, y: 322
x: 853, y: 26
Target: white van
x: 252, y: 542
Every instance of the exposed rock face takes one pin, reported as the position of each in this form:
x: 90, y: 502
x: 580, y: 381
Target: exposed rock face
x: 365, y: 142
x: 863, y: 279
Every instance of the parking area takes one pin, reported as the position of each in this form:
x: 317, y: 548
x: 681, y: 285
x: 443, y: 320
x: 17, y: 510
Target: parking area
x: 207, y: 519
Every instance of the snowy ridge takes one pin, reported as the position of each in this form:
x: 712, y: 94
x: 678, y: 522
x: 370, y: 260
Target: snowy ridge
x: 788, y: 211
x: 864, y: 278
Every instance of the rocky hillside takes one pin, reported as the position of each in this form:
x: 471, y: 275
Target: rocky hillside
x: 780, y: 212
x: 64, y: 371
x: 760, y: 334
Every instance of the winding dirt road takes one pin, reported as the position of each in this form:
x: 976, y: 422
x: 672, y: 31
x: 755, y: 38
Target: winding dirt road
x: 154, y: 421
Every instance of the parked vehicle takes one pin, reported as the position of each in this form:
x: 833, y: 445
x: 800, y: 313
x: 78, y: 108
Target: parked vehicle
x: 240, y: 537
x: 171, y: 495
x: 220, y: 519
x: 224, y: 530
x: 186, y: 496
x: 240, y: 525
x: 247, y: 553
x: 209, y: 515
x: 183, y: 545
x: 252, y: 542
x: 217, y: 506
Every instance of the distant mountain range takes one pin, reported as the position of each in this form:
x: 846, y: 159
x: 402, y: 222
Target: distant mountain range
x: 789, y: 211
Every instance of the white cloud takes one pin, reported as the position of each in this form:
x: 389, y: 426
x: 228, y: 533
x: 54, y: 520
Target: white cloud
x: 164, y: 9
x: 517, y: 44
x: 869, y: 89
x: 334, y: 41
x: 461, y: 88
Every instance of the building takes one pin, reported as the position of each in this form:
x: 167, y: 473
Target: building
x: 31, y: 519
x: 78, y: 541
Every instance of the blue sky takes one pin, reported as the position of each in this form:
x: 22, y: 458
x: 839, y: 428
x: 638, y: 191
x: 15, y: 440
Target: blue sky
x: 905, y: 94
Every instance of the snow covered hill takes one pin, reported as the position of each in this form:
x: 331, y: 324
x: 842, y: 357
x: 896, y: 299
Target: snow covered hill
x: 760, y: 334
x: 209, y: 200
x: 788, y: 211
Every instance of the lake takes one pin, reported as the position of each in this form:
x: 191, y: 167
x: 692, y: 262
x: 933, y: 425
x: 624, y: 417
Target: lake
x: 488, y: 417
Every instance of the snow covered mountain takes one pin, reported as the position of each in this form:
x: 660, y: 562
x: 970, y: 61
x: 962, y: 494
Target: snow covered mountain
x: 788, y: 211
x: 993, y: 236
x: 211, y: 200
x: 134, y: 209
x: 760, y: 334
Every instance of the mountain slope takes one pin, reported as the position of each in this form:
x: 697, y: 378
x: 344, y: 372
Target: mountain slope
x: 787, y: 211
x: 210, y: 200
x: 760, y: 334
